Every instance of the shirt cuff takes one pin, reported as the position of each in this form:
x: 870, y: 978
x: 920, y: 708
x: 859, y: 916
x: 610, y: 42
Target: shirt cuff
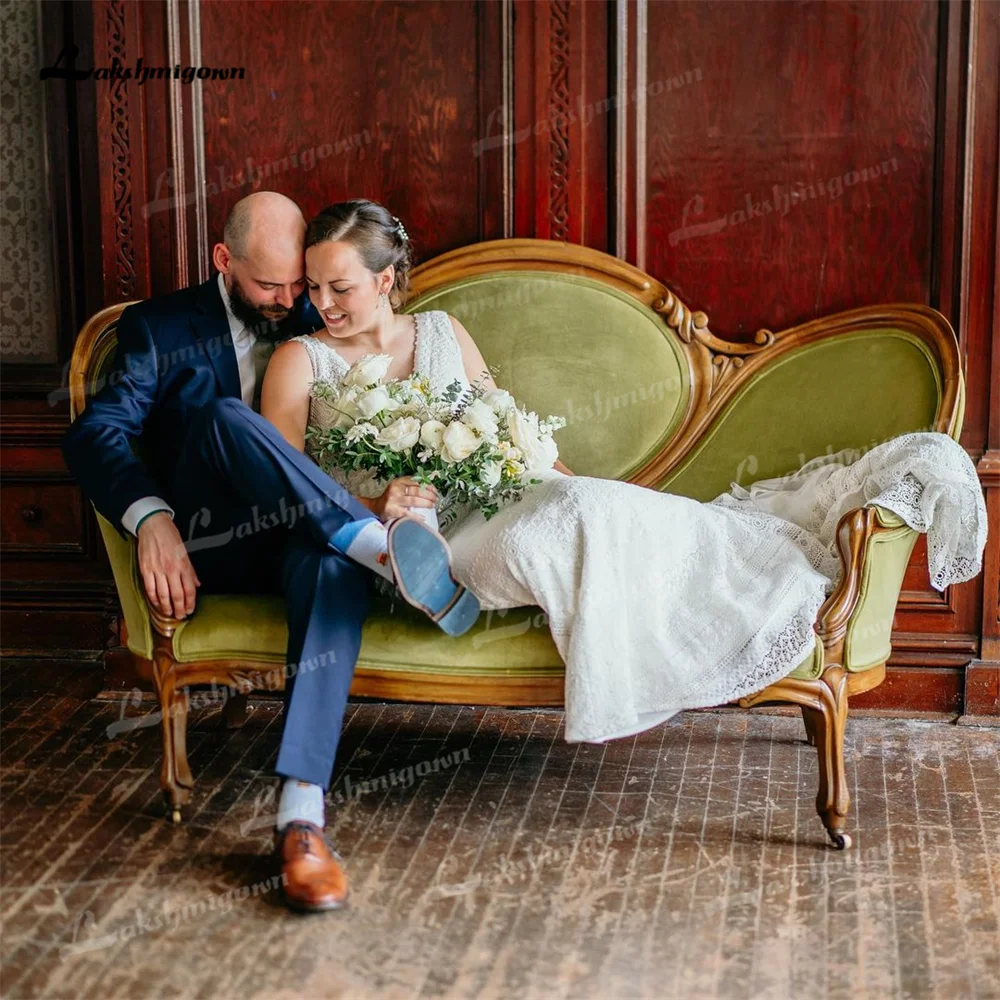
x: 143, y: 508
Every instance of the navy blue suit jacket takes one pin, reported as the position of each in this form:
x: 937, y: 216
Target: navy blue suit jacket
x: 175, y: 354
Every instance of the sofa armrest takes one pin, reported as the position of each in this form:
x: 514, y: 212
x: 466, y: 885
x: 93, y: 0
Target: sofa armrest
x: 123, y: 556
x: 855, y: 622
x: 141, y: 619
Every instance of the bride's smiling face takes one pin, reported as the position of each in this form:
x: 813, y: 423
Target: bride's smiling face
x: 343, y: 290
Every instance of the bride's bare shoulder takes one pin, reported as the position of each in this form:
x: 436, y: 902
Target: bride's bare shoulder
x: 291, y: 359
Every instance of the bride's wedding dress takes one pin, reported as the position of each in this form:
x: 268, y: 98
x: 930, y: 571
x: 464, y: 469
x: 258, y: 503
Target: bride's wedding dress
x: 658, y: 603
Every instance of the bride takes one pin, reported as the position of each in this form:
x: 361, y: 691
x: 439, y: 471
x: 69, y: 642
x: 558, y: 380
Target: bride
x: 656, y: 603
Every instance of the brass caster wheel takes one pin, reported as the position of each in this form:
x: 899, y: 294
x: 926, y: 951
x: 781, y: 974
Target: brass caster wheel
x: 175, y: 815
x: 842, y: 841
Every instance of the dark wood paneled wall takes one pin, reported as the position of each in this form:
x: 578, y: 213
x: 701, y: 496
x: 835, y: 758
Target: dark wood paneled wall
x: 770, y: 161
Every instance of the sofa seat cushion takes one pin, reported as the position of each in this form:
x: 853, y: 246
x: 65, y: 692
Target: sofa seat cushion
x: 396, y: 637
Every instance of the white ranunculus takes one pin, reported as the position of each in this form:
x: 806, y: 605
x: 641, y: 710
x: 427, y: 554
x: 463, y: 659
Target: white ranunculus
x: 368, y: 370
x: 358, y: 431
x: 491, y: 473
x: 538, y: 451
x: 432, y: 434
x: 459, y: 442
x: 481, y: 419
x: 499, y: 400
x: 375, y: 401
x: 400, y: 434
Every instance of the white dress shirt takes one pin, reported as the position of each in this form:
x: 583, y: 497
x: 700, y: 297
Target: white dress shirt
x: 243, y: 342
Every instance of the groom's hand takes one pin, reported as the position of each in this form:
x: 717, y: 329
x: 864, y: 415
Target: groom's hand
x: 170, y: 580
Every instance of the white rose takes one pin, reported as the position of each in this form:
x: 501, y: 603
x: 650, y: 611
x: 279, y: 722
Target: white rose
x: 368, y: 370
x: 545, y: 455
x: 499, y: 400
x: 481, y: 419
x: 458, y: 443
x: 523, y: 429
x: 375, y: 401
x: 538, y: 451
x: 432, y: 433
x: 491, y: 473
x: 400, y: 434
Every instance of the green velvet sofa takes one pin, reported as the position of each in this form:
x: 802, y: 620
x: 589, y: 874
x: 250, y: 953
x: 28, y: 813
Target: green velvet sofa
x: 651, y: 396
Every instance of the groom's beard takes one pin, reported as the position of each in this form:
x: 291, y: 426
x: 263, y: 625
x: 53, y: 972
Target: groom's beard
x: 270, y: 323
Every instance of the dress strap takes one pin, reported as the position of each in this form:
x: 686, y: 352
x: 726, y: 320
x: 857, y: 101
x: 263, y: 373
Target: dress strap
x: 447, y: 352
x: 327, y: 364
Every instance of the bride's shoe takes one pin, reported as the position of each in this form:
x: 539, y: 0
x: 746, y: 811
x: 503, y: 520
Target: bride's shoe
x: 421, y: 564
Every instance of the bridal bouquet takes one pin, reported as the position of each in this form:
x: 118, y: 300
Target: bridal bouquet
x: 475, y: 446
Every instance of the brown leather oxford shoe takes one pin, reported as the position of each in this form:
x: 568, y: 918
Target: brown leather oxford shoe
x: 312, y: 875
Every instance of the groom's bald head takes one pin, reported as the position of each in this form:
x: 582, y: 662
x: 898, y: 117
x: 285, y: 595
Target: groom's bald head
x: 261, y: 254
x: 264, y: 221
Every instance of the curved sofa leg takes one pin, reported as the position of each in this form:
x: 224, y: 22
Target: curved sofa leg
x: 829, y: 721
x: 176, y: 779
x: 823, y: 701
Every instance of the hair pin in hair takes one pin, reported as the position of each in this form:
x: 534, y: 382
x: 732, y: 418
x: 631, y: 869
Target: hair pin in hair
x: 401, y: 229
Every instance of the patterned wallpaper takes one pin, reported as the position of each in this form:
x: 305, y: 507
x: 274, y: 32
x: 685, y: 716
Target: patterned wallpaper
x: 27, y: 305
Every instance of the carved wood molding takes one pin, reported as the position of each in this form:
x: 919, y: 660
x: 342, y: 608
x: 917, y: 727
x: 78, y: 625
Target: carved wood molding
x: 121, y: 153
x: 558, y: 111
x: 727, y: 357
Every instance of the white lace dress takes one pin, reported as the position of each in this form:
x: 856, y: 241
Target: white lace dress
x: 658, y: 603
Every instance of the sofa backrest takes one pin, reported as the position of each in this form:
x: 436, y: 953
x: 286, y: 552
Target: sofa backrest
x: 652, y: 396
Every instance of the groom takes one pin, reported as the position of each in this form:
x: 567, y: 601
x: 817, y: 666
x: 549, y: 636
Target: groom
x: 189, y: 369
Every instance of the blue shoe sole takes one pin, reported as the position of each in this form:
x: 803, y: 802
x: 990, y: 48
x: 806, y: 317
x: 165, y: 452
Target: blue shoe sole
x: 421, y: 563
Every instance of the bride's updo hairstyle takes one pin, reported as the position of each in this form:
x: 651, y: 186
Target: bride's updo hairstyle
x: 378, y: 236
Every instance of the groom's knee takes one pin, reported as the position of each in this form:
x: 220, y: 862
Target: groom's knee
x: 219, y: 410
x: 226, y: 410
x: 224, y: 413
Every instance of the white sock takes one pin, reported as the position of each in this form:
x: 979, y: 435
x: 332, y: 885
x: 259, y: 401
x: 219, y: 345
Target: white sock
x: 365, y: 543
x: 300, y: 800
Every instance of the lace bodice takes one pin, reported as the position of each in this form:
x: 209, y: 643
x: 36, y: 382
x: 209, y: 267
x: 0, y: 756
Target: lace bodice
x: 437, y: 355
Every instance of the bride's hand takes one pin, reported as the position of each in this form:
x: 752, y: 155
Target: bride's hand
x: 400, y: 495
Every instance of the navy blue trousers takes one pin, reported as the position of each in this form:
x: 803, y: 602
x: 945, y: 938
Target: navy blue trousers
x: 256, y: 516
